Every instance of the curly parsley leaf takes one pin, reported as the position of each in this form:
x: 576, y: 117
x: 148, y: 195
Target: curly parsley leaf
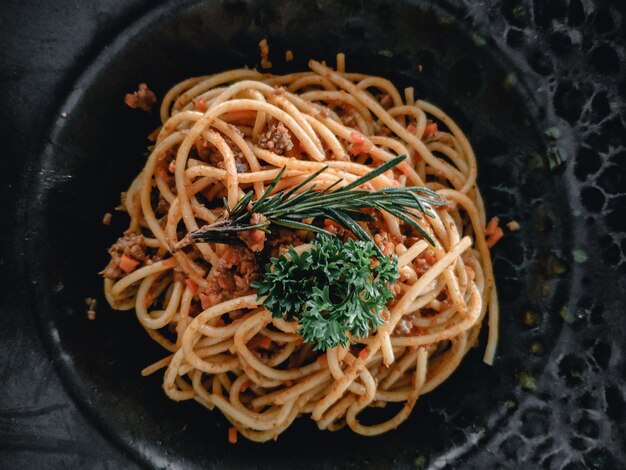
x: 334, y: 289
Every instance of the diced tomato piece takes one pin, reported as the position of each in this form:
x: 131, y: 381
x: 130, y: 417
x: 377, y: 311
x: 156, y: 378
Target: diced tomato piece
x: 360, y: 144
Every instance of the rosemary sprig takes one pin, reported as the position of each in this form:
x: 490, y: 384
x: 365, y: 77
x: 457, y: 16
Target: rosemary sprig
x: 342, y: 205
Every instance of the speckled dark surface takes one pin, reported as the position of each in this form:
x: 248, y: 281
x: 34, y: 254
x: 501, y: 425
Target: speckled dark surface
x: 528, y: 80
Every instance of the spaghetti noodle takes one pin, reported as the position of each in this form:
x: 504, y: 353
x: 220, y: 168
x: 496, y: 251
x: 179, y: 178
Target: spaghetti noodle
x: 227, y: 133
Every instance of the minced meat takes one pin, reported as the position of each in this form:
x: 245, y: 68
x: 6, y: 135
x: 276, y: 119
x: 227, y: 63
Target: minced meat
x: 209, y: 153
x: 276, y: 139
x: 254, y: 239
x: 232, y: 276
x: 131, y: 244
x: 91, y: 307
x: 144, y: 98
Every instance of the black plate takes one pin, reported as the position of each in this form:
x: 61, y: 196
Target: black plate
x: 536, y: 403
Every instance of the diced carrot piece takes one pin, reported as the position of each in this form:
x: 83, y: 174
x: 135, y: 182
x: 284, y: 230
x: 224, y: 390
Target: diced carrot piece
x: 169, y: 262
x: 128, y: 264
x: 245, y: 386
x: 364, y: 353
x: 200, y: 104
x: 333, y: 227
x: 495, y: 237
x: 265, y: 343
x: 493, y: 232
x: 205, y: 301
x: 152, y: 137
x: 232, y: 435
x: 492, y: 225
x: 254, y: 342
x: 430, y: 129
x: 192, y: 286
x: 260, y: 341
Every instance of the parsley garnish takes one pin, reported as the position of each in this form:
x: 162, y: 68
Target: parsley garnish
x: 334, y: 289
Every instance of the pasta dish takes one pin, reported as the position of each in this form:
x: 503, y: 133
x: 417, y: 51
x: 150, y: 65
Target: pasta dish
x: 306, y: 244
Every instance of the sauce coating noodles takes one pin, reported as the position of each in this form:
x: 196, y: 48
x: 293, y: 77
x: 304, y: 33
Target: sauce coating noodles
x: 227, y: 133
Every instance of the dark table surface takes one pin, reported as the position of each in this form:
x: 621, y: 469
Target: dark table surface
x: 40, y: 426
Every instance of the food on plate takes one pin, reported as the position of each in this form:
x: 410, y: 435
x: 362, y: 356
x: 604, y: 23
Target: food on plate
x: 305, y: 244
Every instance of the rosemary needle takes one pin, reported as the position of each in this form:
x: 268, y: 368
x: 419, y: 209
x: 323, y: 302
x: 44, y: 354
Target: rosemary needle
x: 343, y: 205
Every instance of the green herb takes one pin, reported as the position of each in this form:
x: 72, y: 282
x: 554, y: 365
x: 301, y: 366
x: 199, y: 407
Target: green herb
x: 479, y: 428
x: 510, y: 81
x: 556, y: 158
x: 479, y: 41
x: 553, y: 132
x: 536, y: 348
x: 420, y: 462
x: 530, y: 318
x: 527, y: 381
x: 342, y: 205
x: 518, y: 11
x: 580, y: 256
x: 554, y: 266
x: 568, y: 315
x: 334, y: 289
x: 445, y: 19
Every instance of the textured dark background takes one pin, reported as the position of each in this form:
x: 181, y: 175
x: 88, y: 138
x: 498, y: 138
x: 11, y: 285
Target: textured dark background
x: 572, y: 51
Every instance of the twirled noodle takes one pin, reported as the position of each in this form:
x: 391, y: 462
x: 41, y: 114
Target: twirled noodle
x: 351, y: 123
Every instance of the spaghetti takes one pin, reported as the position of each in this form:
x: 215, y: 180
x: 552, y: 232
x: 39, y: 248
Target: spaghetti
x: 231, y: 132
